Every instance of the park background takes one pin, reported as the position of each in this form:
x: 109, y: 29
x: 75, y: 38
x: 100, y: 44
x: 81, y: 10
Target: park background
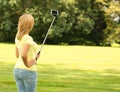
x: 81, y: 52
x: 80, y: 22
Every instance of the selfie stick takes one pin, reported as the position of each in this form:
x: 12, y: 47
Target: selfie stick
x: 46, y: 35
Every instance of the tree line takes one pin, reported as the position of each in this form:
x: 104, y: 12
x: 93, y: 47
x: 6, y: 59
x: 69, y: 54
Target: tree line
x: 80, y: 22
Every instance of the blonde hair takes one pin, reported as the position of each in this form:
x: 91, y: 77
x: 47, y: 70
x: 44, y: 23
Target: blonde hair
x: 25, y: 25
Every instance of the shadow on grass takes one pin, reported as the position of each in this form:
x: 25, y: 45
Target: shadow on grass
x: 79, y: 79
x: 55, y: 78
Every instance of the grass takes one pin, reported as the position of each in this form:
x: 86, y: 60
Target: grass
x: 67, y: 69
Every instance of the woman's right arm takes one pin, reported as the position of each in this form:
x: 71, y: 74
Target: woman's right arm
x: 24, y: 56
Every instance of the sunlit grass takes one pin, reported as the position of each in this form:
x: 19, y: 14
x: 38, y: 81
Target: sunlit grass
x: 67, y: 69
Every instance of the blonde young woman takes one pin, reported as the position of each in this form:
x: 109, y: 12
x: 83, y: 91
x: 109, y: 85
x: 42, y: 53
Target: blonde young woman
x: 25, y: 72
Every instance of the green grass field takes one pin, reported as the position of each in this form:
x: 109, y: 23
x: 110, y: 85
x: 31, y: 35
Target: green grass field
x: 67, y: 69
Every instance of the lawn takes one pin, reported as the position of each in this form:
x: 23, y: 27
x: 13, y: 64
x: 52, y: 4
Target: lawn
x: 67, y: 69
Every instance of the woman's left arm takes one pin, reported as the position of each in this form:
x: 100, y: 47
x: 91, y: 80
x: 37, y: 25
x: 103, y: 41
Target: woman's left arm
x: 17, y: 52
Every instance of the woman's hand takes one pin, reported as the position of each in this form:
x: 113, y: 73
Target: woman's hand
x: 37, y: 55
x: 31, y: 63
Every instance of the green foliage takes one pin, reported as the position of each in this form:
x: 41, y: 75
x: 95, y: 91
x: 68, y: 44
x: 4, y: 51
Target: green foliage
x: 85, y: 22
x: 112, y: 18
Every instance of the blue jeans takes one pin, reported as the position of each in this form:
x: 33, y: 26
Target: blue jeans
x: 25, y: 80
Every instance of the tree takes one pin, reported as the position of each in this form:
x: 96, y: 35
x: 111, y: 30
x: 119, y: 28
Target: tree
x: 112, y: 17
x: 82, y: 22
x: 14, y: 8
